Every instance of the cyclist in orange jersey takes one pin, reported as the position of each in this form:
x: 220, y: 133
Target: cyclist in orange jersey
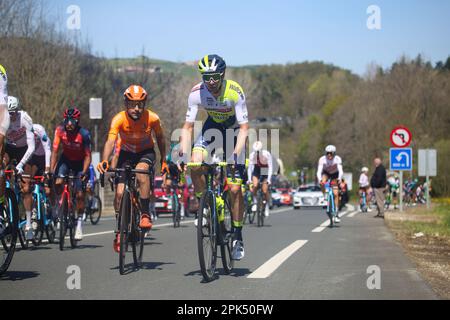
x: 134, y: 128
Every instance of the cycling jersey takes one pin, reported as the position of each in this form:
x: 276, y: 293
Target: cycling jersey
x: 3, y: 86
x: 229, y: 108
x: 135, y: 135
x: 76, y: 145
x: 364, y: 181
x: 258, y: 161
x: 20, y: 136
x: 332, y: 168
x: 42, y: 143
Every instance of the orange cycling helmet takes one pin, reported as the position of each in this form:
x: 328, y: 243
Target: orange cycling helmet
x: 135, y: 93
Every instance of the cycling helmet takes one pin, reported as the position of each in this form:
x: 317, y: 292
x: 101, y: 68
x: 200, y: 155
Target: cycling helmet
x: 3, y: 72
x: 13, y: 104
x: 72, y: 114
x: 211, y: 63
x: 135, y: 93
x: 365, y: 169
x: 330, y: 149
x: 257, y: 146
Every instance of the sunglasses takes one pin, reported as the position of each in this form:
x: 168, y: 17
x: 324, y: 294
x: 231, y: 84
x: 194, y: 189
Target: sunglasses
x: 330, y: 154
x: 212, y: 77
x: 133, y: 104
x: 70, y: 121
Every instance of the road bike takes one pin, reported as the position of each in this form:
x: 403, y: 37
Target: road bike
x: 66, y: 211
x: 248, y: 203
x: 130, y: 214
x: 214, y: 222
x: 331, y: 205
x: 93, y: 208
x: 9, y: 218
x: 363, y: 204
x: 41, y: 216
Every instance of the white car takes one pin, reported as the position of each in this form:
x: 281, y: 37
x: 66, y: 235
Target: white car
x: 309, y: 196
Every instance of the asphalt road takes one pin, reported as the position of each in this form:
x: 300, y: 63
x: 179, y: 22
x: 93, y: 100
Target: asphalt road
x: 292, y: 257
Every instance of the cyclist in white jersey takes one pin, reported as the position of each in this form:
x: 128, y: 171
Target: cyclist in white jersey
x: 330, y: 168
x: 226, y: 128
x: 20, y: 146
x: 4, y: 125
x: 260, y: 170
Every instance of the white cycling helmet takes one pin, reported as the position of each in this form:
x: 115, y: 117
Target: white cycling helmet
x: 331, y: 149
x: 257, y: 146
x: 13, y: 104
x: 365, y: 169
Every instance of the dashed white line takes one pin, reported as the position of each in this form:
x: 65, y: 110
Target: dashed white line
x: 276, y: 261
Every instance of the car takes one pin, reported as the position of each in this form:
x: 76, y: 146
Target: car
x: 286, y: 198
x: 275, y: 198
x: 309, y: 196
x: 162, y: 203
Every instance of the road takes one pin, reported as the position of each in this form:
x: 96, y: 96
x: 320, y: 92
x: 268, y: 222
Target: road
x: 315, y: 262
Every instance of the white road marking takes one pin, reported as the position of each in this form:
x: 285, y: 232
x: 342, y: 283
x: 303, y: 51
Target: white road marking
x: 276, y: 261
x: 326, y: 223
x: 351, y: 215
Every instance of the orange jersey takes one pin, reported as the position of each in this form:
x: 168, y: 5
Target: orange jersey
x: 135, y: 136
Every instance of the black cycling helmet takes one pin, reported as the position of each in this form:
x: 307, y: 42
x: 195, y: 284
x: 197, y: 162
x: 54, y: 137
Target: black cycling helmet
x: 212, y: 63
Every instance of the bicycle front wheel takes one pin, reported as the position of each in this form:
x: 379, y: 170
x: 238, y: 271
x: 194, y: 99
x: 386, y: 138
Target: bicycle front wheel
x: 62, y: 210
x: 9, y: 224
x: 125, y: 214
x: 137, y: 239
x: 207, y: 236
x: 226, y: 236
x: 37, y: 221
x: 96, y: 212
x: 260, y: 209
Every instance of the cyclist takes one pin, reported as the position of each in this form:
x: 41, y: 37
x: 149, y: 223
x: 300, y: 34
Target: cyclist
x: 330, y: 168
x: 260, y: 171
x: 135, y: 126
x: 76, y: 157
x: 90, y: 189
x: 20, y: 146
x: 173, y: 175
x: 224, y: 101
x: 364, y: 186
x: 4, y: 125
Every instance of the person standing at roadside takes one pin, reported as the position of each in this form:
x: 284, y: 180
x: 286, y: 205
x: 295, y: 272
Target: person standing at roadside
x: 378, y: 183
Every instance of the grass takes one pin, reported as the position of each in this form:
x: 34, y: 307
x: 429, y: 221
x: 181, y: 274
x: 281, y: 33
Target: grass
x: 439, y: 228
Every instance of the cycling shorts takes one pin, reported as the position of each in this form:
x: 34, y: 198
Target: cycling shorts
x: 67, y: 167
x: 257, y: 174
x: 15, y: 153
x: 39, y: 162
x: 132, y: 159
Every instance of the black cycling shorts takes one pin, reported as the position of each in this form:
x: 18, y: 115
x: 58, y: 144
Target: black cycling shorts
x: 132, y: 159
x: 257, y: 173
x: 15, y: 153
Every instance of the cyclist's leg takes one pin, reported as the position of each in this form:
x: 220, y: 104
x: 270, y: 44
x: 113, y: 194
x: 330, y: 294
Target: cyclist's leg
x: 4, y: 125
x: 147, y: 159
x: 27, y: 198
x: 336, y: 195
x: 265, y: 190
x: 80, y: 197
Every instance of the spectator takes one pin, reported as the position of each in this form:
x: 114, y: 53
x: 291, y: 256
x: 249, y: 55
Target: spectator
x: 378, y: 183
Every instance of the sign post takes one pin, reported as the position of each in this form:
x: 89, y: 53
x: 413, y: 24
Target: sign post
x: 401, y: 158
x: 428, y: 168
x: 95, y: 113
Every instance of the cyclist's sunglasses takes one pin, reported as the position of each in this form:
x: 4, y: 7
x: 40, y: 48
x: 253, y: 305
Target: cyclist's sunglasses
x: 71, y: 121
x: 212, y: 77
x: 330, y: 154
x: 133, y: 104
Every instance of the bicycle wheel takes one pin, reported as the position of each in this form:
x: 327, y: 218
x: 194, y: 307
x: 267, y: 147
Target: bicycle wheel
x: 137, y: 238
x: 9, y: 214
x: 125, y: 213
x: 207, y: 236
x: 226, y: 240
x: 72, y: 227
x: 96, y: 213
x: 330, y: 208
x: 175, y: 210
x: 21, y: 234
x: 37, y: 221
x: 63, y: 223
x: 260, y: 209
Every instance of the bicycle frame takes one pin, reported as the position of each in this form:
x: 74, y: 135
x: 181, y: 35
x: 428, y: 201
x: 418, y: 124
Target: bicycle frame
x: 331, y: 207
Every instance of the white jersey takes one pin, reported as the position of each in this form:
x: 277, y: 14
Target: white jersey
x: 363, y: 180
x: 3, y: 87
x: 229, y: 109
x: 42, y: 143
x: 331, y: 167
x: 264, y: 161
x: 20, y: 134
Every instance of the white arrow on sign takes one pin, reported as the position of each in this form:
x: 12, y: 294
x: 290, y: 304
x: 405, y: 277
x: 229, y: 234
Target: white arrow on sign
x: 400, y: 156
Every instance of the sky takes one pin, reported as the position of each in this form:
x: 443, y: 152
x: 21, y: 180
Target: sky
x: 254, y: 32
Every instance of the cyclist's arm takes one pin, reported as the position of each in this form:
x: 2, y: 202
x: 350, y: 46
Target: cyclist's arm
x: 56, y: 143
x: 319, y: 171
x: 159, y: 133
x: 46, y: 143
x: 269, y: 162
x: 242, y: 138
x: 186, y: 135
x: 87, y: 152
x: 251, y: 167
x: 341, y: 171
x: 28, y: 124
x: 242, y: 119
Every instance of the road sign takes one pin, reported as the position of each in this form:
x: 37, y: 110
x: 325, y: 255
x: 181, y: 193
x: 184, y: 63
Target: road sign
x: 401, y: 159
x: 427, y: 163
x: 401, y: 137
x: 95, y: 108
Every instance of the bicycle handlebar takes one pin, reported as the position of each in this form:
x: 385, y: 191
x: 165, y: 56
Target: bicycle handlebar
x: 129, y: 170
